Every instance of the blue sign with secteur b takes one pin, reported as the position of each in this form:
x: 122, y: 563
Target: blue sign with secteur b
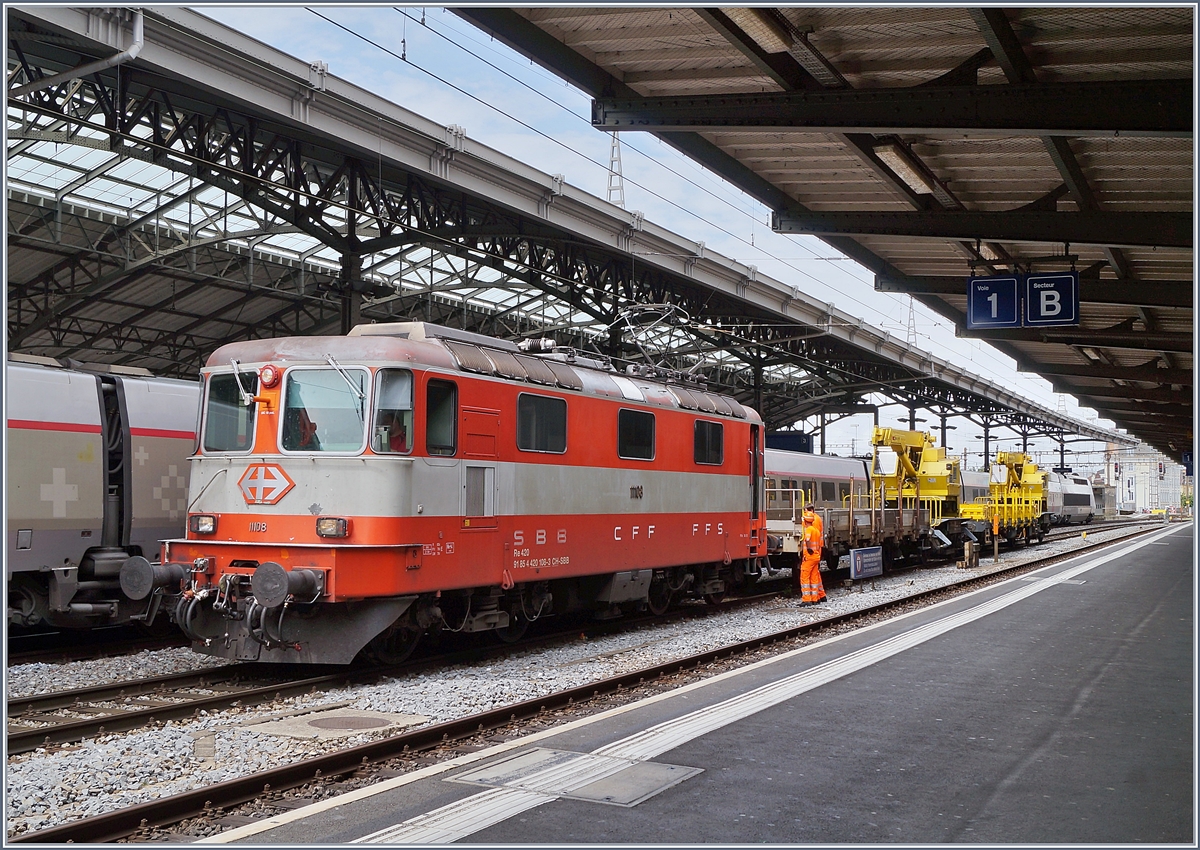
x: 1023, y: 301
x: 1052, y: 299
x: 993, y: 302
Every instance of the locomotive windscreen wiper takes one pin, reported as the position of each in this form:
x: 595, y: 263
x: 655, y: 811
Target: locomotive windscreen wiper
x: 345, y: 377
x: 247, y: 399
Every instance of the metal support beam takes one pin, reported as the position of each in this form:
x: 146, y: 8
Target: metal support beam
x: 1181, y: 342
x: 1098, y: 108
x: 1152, y: 293
x: 1160, y: 229
x: 1180, y: 412
x: 1154, y: 394
x: 1147, y: 372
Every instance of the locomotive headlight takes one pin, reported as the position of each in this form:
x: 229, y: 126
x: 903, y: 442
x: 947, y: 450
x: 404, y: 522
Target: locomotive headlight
x: 332, y: 526
x: 202, y: 523
x: 269, y: 375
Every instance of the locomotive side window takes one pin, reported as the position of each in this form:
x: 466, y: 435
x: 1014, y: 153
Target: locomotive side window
x: 441, y: 417
x: 228, y: 423
x: 635, y: 435
x: 541, y: 424
x: 324, y: 410
x: 393, y: 425
x: 709, y: 444
x: 828, y: 491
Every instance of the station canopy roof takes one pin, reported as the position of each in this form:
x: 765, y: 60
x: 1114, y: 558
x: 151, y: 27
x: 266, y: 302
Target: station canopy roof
x: 211, y: 189
x: 936, y: 143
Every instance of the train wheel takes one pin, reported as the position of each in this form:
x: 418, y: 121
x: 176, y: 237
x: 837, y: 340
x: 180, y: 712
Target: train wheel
x: 394, y: 646
x: 714, y: 598
x: 660, y: 597
x: 516, y: 628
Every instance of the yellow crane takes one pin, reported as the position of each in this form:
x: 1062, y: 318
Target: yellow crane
x: 925, y: 477
x: 1016, y: 502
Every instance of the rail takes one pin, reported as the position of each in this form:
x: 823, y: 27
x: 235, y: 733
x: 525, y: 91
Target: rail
x: 127, y: 822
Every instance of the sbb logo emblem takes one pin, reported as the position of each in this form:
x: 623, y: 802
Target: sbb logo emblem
x: 265, y: 484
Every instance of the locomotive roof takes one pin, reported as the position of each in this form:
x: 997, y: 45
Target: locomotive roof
x: 421, y: 343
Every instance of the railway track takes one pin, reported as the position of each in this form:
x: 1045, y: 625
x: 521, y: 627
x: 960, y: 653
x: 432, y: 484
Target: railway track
x: 62, y: 646
x: 66, y: 717
x: 312, y: 773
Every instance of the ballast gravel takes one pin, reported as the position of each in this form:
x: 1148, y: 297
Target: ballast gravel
x: 45, y: 788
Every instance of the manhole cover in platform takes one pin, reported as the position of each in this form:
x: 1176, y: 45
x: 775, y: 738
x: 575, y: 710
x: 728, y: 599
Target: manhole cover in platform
x: 580, y: 776
x: 338, y: 723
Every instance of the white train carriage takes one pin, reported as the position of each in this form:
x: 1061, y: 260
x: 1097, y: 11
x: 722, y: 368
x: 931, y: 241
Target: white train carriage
x: 97, y: 472
x: 1070, y: 498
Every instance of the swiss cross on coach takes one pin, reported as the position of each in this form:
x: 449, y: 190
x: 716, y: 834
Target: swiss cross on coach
x: 265, y: 484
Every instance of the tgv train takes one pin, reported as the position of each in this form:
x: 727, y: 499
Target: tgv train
x: 1070, y: 498
x: 351, y: 493
x: 97, y: 472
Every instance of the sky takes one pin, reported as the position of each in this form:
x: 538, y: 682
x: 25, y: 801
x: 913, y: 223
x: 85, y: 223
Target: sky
x: 428, y: 60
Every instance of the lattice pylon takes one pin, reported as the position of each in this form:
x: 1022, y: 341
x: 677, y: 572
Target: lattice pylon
x: 616, y: 182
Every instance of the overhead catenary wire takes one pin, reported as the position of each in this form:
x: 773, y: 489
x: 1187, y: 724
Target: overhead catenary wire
x: 991, y: 354
x: 734, y: 236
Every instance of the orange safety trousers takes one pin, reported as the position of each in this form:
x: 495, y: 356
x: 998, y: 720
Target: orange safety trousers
x: 811, y: 587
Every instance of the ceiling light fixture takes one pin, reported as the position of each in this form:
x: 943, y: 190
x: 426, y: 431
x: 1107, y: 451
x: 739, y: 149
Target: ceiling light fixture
x: 904, y: 167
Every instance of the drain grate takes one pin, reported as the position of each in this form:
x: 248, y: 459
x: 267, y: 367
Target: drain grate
x: 335, y: 723
x: 349, y: 722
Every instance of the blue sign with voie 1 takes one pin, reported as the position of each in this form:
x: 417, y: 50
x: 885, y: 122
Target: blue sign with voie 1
x: 1052, y: 299
x: 992, y: 303
x: 865, y: 563
x: 1187, y: 464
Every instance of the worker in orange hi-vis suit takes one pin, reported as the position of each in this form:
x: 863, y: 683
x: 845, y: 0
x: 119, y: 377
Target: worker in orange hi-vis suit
x: 812, y: 590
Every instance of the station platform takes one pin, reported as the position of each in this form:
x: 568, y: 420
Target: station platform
x: 1052, y: 708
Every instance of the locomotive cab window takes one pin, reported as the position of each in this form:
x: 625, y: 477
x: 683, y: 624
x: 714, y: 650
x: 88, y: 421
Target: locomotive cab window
x: 228, y: 420
x: 709, y: 443
x: 541, y: 424
x: 324, y: 410
x: 441, y: 417
x: 392, y: 429
x: 635, y: 435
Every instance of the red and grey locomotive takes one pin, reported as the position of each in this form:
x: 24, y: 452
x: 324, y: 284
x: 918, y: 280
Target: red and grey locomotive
x: 354, y: 492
